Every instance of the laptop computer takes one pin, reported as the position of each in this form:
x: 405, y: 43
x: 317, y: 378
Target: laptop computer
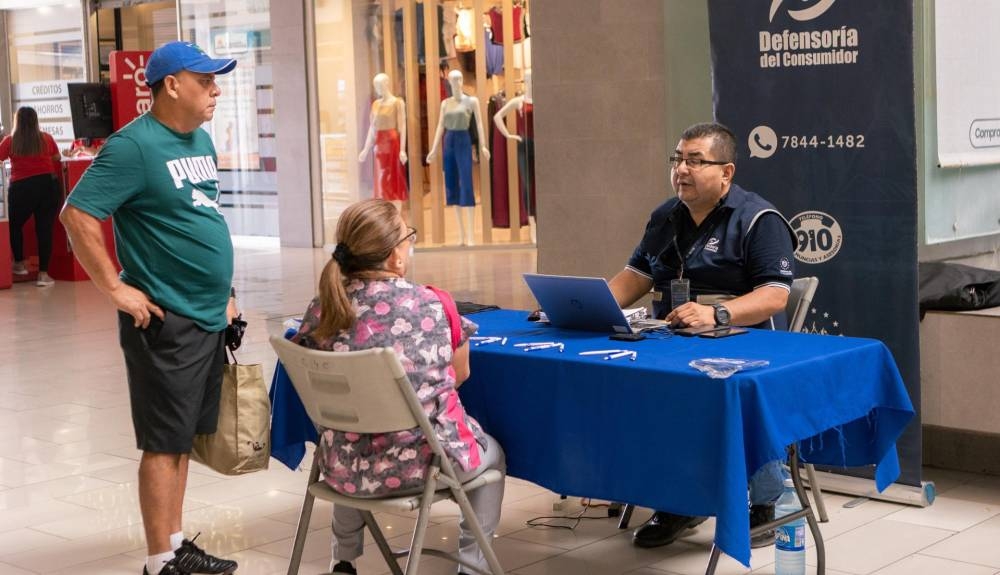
x: 579, y: 303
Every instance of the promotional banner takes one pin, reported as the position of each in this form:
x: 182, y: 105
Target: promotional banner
x: 820, y: 96
x: 130, y: 95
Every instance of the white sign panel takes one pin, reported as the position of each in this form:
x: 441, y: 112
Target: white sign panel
x: 58, y: 130
x: 968, y: 81
x: 41, y: 90
x: 48, y: 109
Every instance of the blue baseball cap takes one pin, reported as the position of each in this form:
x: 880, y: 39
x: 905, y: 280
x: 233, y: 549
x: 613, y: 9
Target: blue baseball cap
x: 173, y: 57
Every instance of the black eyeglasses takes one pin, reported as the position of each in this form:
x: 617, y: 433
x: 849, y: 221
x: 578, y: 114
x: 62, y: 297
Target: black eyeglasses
x: 693, y: 163
x: 412, y: 236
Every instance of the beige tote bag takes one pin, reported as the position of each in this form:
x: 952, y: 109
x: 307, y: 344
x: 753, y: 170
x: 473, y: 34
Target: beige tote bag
x: 242, y: 442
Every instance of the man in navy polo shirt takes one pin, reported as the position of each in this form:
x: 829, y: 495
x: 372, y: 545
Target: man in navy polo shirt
x: 714, y: 255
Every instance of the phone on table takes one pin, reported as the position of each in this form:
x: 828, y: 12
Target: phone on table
x: 693, y: 331
x: 723, y: 332
x: 627, y: 337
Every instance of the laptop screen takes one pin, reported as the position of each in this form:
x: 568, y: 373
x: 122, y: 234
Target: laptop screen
x: 579, y: 303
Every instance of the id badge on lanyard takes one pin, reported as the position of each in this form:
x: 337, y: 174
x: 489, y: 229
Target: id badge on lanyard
x: 680, y: 292
x: 680, y: 288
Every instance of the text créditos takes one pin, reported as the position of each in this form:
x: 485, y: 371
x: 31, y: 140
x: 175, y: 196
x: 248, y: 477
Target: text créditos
x: 788, y: 49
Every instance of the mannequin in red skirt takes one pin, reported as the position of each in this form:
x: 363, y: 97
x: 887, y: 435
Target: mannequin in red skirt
x: 387, y: 134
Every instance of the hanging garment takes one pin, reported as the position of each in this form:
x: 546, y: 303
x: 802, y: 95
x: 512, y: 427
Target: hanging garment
x: 494, y: 55
x: 449, y: 27
x: 526, y: 156
x: 458, y: 168
x: 421, y: 57
x: 496, y: 24
x: 500, y: 206
x: 465, y: 30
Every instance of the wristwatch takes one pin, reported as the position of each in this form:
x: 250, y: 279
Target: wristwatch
x: 722, y: 316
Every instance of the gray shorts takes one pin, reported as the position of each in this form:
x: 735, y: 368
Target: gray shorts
x: 174, y: 380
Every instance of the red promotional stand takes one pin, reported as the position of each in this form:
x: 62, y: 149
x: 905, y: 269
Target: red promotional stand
x: 130, y: 97
x: 63, y: 265
x: 6, y: 261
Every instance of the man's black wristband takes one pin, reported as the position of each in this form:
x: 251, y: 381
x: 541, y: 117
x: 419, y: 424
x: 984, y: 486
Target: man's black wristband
x: 232, y: 292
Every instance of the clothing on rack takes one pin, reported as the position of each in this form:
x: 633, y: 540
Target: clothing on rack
x: 449, y: 26
x: 526, y: 156
x: 495, y: 16
x: 500, y: 205
x: 465, y: 30
x: 399, y: 28
x: 494, y: 55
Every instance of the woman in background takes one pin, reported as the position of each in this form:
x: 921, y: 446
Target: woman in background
x: 34, y: 189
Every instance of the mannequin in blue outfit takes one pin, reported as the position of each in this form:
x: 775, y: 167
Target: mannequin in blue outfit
x: 457, y: 112
x: 739, y: 262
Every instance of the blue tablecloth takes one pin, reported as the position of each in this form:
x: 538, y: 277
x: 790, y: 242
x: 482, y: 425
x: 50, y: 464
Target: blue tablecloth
x: 658, y: 433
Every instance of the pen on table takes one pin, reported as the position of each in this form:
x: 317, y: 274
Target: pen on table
x: 622, y: 354
x: 600, y: 352
x: 544, y: 346
x: 534, y: 343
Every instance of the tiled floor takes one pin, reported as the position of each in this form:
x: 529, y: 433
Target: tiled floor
x: 68, y: 499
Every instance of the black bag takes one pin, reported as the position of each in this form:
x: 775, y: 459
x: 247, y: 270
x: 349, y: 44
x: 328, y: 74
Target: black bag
x: 234, y: 333
x: 956, y: 287
x: 468, y: 307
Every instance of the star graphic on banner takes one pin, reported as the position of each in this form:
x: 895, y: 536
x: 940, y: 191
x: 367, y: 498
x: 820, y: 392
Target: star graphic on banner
x: 813, y: 310
x: 836, y: 324
x: 826, y: 315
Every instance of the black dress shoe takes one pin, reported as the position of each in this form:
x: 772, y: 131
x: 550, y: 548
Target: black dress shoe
x: 663, y: 529
x: 759, y: 515
x: 194, y: 559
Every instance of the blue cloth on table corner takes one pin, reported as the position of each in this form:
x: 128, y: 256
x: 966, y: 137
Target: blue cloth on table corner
x: 293, y: 428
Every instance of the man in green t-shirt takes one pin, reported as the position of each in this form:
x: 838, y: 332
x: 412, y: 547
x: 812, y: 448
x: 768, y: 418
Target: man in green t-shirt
x: 158, y: 177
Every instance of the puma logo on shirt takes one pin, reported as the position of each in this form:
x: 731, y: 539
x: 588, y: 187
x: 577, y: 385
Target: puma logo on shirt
x: 195, y: 170
x: 200, y: 199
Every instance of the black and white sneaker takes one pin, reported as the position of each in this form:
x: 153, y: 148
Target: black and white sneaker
x: 169, y: 568
x: 193, y: 559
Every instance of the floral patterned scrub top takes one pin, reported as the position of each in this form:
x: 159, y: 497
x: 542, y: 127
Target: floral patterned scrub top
x: 410, y: 319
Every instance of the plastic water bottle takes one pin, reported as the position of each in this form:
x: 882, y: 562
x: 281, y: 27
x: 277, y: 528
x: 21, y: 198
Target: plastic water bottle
x: 790, y: 538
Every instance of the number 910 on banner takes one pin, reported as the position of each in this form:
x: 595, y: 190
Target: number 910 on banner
x: 818, y: 235
x: 828, y: 141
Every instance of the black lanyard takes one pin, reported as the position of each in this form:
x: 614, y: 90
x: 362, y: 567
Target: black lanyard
x: 706, y: 227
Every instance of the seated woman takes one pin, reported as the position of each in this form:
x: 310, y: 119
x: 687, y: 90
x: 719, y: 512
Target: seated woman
x: 364, y: 302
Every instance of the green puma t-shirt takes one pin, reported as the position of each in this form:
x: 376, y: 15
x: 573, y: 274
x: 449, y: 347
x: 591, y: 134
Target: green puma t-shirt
x: 162, y: 187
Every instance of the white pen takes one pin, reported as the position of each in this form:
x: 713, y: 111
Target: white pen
x: 621, y: 354
x: 544, y: 346
x: 534, y: 343
x: 600, y: 352
x: 486, y: 341
x: 503, y: 341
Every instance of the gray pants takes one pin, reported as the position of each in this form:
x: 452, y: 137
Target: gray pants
x: 349, y: 526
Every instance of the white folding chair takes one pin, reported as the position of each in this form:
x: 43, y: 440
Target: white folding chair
x: 796, y: 311
x: 368, y: 392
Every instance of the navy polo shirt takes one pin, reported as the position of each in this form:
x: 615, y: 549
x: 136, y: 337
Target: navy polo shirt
x: 745, y: 243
